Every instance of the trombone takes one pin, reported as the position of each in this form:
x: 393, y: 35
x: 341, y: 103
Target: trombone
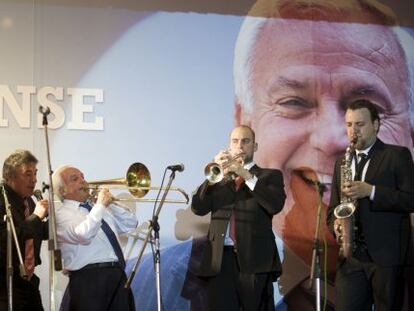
x: 138, y: 183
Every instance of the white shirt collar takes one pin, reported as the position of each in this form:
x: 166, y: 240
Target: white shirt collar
x: 71, y: 203
x: 249, y: 165
x: 366, y: 151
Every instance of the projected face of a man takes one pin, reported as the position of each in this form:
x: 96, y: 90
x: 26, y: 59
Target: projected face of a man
x: 302, y: 76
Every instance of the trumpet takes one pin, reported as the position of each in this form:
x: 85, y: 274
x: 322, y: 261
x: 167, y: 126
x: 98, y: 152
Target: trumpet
x: 138, y: 182
x: 214, y: 172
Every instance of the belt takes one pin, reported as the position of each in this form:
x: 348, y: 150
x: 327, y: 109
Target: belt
x: 230, y: 248
x: 98, y: 265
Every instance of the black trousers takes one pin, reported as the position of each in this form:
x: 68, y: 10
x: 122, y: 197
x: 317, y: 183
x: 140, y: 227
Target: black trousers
x: 97, y: 288
x: 359, y: 284
x: 26, y: 294
x: 231, y: 290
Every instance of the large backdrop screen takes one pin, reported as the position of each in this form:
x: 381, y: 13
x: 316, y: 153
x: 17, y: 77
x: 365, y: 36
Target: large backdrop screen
x: 161, y: 83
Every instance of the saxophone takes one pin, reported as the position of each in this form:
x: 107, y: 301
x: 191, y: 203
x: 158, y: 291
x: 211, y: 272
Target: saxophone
x: 344, y: 212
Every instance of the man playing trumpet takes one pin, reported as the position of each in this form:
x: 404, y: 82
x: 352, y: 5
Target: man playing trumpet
x: 88, y: 238
x: 240, y: 259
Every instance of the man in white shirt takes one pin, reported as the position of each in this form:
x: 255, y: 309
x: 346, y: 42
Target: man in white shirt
x: 88, y: 239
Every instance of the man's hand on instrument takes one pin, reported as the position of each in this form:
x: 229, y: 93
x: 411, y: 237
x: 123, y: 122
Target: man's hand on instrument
x: 105, y: 197
x: 337, y: 230
x: 357, y: 189
x: 222, y: 159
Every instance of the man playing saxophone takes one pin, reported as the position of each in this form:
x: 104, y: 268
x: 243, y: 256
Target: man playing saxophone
x: 382, y: 187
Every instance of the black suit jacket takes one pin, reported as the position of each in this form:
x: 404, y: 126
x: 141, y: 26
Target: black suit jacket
x: 30, y: 228
x: 256, y: 245
x: 384, y: 222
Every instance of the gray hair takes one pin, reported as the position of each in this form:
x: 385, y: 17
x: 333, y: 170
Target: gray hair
x: 266, y: 10
x: 57, y: 180
x: 15, y: 160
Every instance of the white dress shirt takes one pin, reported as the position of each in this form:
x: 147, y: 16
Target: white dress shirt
x: 251, y: 183
x: 364, y: 171
x: 80, y: 236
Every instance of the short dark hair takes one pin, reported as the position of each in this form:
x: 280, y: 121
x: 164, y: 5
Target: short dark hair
x: 363, y: 103
x: 248, y: 128
x: 15, y: 160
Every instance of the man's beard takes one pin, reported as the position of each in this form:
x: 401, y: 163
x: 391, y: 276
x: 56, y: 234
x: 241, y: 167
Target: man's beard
x: 247, y: 160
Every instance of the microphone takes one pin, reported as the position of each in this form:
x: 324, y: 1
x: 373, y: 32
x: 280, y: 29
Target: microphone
x: 176, y: 167
x: 38, y: 194
x: 3, y: 189
x: 44, y: 111
x: 321, y: 186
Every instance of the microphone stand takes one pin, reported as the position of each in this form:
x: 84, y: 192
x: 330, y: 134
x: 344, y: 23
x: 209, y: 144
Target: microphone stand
x: 154, y: 226
x: 315, y: 273
x: 157, y: 259
x: 11, y: 234
x: 55, y: 254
